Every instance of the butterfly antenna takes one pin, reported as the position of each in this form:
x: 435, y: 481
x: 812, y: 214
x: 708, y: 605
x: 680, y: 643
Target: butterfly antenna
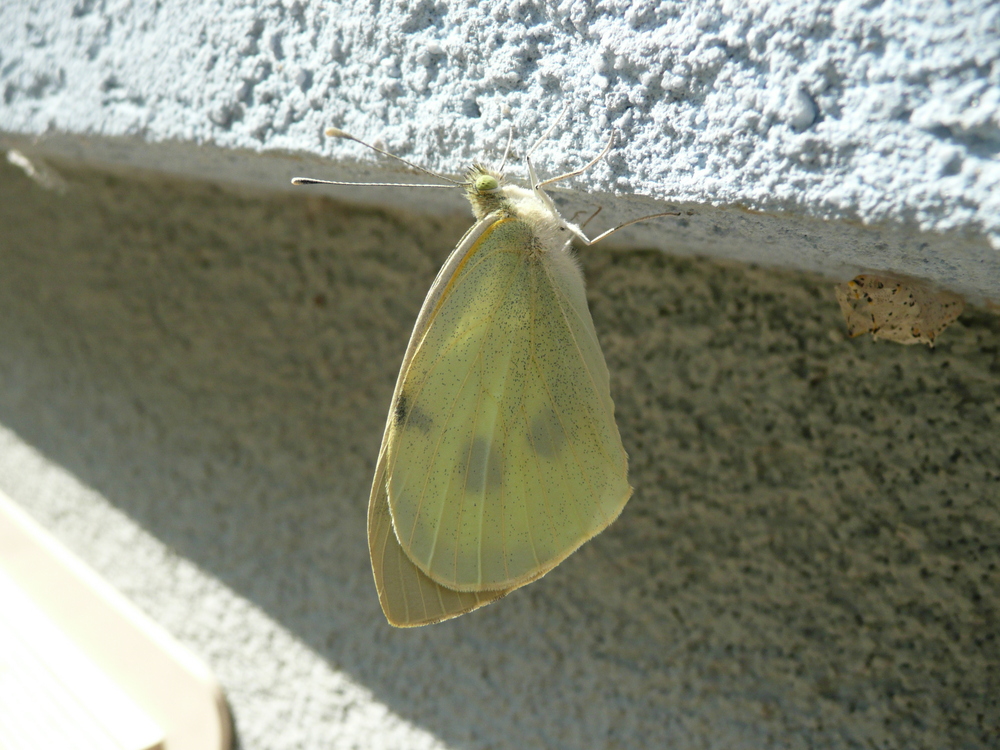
x: 312, y: 181
x: 338, y: 133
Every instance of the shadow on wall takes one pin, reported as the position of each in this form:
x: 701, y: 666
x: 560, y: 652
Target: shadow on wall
x: 810, y: 556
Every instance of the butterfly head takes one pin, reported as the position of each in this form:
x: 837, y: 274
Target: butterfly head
x: 484, y: 187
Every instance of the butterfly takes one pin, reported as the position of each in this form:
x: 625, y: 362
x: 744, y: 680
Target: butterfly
x: 501, y: 454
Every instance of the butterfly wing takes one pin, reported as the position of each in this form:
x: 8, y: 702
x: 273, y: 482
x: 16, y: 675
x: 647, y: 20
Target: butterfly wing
x: 408, y: 597
x: 502, y: 455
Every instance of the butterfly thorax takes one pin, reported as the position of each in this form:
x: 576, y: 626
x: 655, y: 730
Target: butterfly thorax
x: 489, y: 193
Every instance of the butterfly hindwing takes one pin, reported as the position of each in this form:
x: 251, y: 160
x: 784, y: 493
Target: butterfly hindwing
x: 408, y: 597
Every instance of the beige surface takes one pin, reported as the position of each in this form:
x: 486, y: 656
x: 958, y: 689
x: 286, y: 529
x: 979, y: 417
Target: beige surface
x: 810, y: 558
x: 52, y: 694
x: 82, y: 668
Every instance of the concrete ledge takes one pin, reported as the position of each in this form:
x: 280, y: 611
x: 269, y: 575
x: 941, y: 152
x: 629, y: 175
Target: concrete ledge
x: 884, y: 115
x: 835, y: 248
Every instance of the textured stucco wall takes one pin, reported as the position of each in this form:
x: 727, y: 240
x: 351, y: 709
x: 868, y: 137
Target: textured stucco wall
x: 880, y: 113
x: 192, y: 390
x: 194, y: 375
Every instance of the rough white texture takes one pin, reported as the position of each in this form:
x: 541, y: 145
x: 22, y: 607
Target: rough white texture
x: 887, y: 113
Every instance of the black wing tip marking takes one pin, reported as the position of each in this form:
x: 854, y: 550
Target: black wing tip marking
x: 401, y: 410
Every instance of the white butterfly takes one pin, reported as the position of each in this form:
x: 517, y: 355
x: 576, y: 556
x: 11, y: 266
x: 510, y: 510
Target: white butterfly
x: 500, y: 455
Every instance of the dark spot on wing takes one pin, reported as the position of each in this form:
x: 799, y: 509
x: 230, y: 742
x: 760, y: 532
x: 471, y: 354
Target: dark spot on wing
x: 402, y: 409
x: 420, y: 420
x: 547, y: 436
x: 411, y: 416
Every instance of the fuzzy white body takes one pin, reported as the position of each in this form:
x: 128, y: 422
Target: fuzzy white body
x: 537, y: 210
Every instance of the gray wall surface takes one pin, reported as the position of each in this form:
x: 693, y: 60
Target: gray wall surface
x: 193, y: 383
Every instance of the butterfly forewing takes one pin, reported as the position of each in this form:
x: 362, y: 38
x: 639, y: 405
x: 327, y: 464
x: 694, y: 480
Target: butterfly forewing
x: 503, y: 455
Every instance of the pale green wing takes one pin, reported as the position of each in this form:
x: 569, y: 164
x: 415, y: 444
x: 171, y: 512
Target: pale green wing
x: 408, y: 597
x: 503, y: 455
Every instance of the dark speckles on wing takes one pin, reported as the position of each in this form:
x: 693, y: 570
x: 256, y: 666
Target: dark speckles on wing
x: 402, y: 408
x: 547, y: 436
x: 407, y: 416
x: 485, y: 468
